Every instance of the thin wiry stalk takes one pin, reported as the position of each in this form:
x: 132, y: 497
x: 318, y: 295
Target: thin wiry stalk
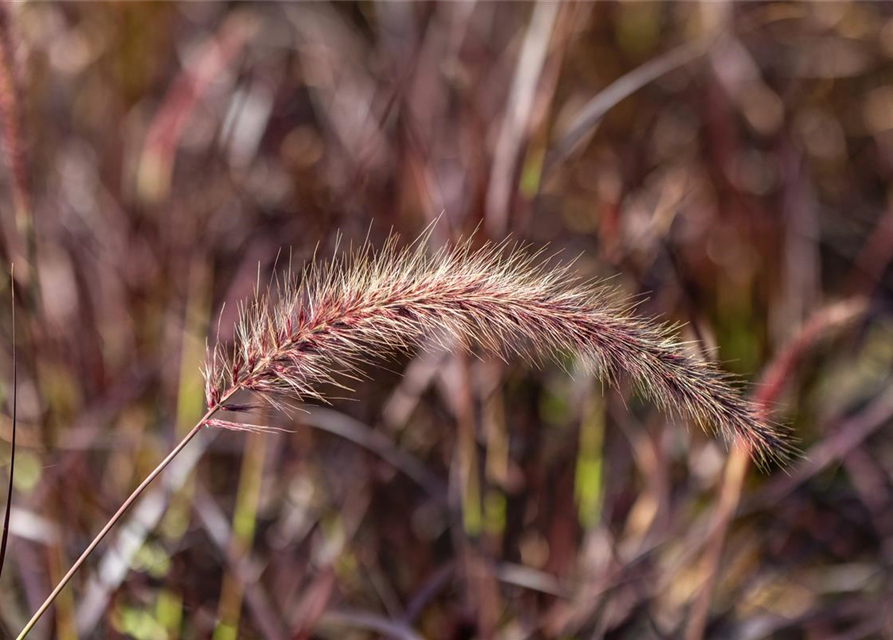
x: 4, y: 537
x: 341, y: 315
x: 112, y: 521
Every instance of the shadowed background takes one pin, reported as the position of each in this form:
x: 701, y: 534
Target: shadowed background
x: 726, y: 165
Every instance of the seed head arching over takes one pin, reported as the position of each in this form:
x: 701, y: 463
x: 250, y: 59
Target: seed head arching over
x: 342, y: 314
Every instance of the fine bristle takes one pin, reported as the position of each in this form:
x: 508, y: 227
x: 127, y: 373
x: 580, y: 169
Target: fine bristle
x: 340, y: 315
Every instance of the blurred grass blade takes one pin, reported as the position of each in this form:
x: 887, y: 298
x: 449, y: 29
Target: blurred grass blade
x: 588, y: 484
x: 619, y: 90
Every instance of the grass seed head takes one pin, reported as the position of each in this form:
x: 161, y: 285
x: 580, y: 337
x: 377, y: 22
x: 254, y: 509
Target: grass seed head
x: 323, y: 326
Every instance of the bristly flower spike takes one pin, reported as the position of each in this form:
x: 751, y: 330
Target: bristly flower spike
x: 338, y: 316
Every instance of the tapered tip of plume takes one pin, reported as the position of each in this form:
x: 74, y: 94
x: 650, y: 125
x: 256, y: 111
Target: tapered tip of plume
x: 340, y: 315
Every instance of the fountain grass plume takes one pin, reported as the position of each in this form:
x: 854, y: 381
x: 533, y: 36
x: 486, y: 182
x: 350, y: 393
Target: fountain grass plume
x: 335, y: 318
x: 328, y: 323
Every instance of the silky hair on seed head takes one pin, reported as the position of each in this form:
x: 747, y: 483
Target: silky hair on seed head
x: 337, y: 316
x: 321, y: 326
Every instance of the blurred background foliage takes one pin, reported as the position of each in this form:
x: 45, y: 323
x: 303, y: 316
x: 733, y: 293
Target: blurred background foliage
x: 726, y: 165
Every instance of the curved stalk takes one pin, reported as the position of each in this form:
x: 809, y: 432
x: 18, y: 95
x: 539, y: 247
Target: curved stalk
x: 118, y: 514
